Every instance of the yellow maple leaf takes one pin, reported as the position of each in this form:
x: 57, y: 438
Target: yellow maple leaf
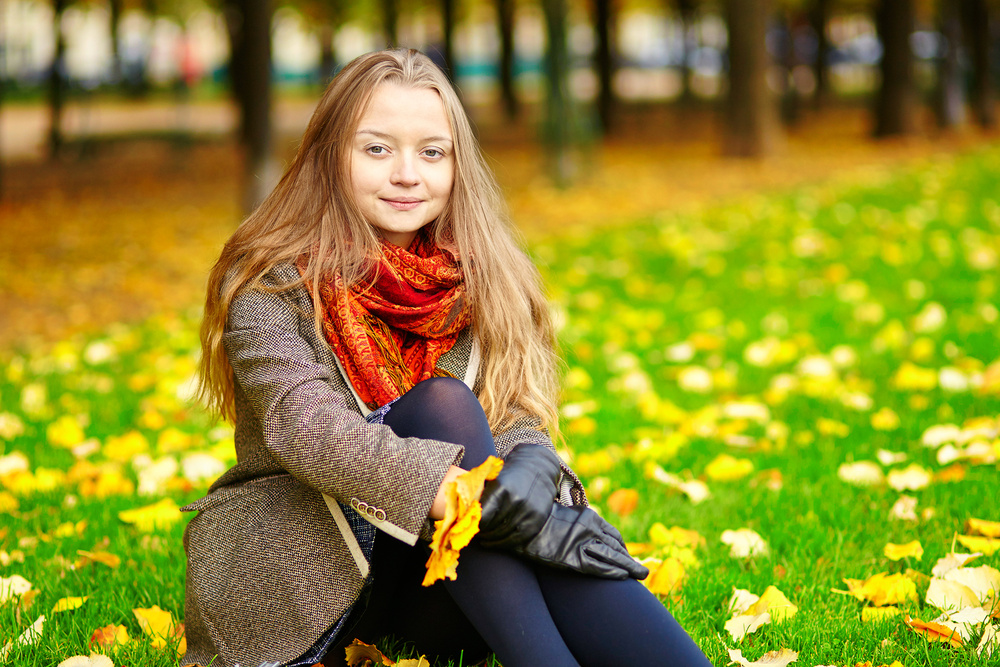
x: 935, y: 632
x: 675, y: 536
x: 157, y: 624
x: 775, y: 603
x: 899, y: 551
x: 64, y: 432
x: 665, y: 576
x: 69, y: 604
x: 983, y: 527
x: 461, y: 520
x: 161, y: 514
x: 359, y: 654
x: 987, y: 545
x: 92, y: 660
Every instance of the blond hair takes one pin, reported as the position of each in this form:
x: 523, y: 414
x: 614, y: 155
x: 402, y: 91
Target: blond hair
x: 311, y: 213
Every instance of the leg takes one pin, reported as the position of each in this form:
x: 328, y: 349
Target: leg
x: 607, y: 622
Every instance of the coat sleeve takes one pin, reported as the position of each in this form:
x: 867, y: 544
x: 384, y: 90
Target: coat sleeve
x: 529, y: 429
x: 312, y: 429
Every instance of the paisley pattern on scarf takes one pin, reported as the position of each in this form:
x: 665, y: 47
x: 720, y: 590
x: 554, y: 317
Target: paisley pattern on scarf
x: 389, y: 336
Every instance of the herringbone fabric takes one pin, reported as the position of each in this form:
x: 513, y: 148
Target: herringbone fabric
x: 268, y: 570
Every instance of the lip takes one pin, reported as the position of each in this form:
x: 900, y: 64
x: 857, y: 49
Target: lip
x: 403, y: 203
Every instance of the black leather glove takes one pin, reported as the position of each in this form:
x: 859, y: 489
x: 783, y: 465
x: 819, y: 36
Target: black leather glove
x: 520, y: 513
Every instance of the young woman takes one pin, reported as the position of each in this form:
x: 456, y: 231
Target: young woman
x: 372, y: 330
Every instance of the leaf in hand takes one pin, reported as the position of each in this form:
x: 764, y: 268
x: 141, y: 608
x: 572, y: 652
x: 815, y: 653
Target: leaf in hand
x: 461, y: 520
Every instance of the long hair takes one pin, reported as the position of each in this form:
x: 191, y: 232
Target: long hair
x: 311, y: 213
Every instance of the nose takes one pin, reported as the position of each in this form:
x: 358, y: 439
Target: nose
x: 405, y: 172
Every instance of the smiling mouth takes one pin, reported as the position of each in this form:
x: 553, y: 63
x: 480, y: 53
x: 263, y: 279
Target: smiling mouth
x: 403, y: 204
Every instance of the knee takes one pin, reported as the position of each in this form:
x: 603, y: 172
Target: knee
x: 443, y: 391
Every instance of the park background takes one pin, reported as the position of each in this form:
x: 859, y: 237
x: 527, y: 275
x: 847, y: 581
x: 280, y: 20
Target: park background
x: 769, y: 231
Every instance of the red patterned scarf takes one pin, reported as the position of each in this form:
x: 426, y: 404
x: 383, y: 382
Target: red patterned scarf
x: 390, y: 336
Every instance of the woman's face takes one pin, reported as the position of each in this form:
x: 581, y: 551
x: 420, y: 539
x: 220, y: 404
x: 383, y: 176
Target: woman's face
x: 402, y: 161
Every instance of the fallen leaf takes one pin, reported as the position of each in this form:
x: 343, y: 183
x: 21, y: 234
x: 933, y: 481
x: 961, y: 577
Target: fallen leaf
x: 950, y: 595
x: 769, y: 659
x: 744, y: 543
x: 742, y: 625
x: 987, y: 545
x: 360, y: 654
x: 623, y: 501
x: 92, y: 660
x: 774, y: 603
x: 951, y: 561
x: 883, y: 589
x: 29, y: 637
x: 741, y: 601
x: 695, y: 489
x: 665, y: 577
x: 102, y: 557
x: 983, y: 580
x: 982, y: 527
x: 461, y: 520
x: 69, y: 604
x: 900, y: 551
x: 726, y: 468
x: 904, y: 509
x: 875, y: 614
x: 108, y: 636
x: 12, y: 587
x: 861, y: 473
x: 161, y: 514
x: 157, y: 624
x: 989, y: 642
x: 935, y: 632
x: 911, y: 478
x: 414, y: 662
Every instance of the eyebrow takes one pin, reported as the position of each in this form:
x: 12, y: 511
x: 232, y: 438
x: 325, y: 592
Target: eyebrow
x: 383, y: 135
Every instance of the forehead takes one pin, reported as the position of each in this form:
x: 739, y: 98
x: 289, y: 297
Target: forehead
x: 405, y: 107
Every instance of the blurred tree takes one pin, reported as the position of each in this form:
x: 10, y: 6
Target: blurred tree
x: 687, y: 9
x: 819, y: 16
x: 57, y: 80
x: 895, y: 100
x: 605, y: 15
x: 558, y: 131
x: 448, y: 37
x: 977, y: 27
x: 390, y: 22
x: 751, y: 114
x: 949, y: 94
x: 249, y: 26
x: 505, y: 25
x: 326, y: 16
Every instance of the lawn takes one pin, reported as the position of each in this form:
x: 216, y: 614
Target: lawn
x: 818, y: 366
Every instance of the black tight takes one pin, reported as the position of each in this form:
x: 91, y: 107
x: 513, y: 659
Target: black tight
x: 527, y: 614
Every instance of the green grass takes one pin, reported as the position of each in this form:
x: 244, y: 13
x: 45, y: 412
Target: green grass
x: 822, y: 267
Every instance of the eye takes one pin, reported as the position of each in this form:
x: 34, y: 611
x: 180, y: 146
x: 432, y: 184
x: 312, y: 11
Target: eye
x: 376, y: 150
x: 433, y: 153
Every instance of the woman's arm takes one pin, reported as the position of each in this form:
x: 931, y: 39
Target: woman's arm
x: 311, y: 429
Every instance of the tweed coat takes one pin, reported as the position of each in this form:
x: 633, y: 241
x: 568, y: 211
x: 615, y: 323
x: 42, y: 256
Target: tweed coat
x: 272, y: 564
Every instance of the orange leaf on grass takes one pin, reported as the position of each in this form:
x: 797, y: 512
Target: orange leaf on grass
x: 623, y: 501
x: 665, y: 577
x: 983, y: 527
x: 935, y: 632
x: 360, y: 654
x: 108, y: 636
x: 461, y: 520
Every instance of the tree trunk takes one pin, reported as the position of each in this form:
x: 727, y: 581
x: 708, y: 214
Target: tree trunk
x: 505, y: 23
x: 558, y: 132
x: 327, y: 57
x: 751, y: 114
x: 686, y: 9
x: 114, y: 18
x: 976, y: 24
x: 448, y: 37
x: 895, y: 100
x: 604, y: 22
x: 949, y: 103
x: 819, y: 15
x: 250, y: 69
x: 390, y: 22
x: 57, y: 81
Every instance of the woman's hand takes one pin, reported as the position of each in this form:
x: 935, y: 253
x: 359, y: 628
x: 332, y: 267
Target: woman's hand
x: 520, y: 513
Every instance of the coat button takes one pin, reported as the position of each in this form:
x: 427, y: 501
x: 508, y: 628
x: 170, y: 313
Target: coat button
x: 380, y: 515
